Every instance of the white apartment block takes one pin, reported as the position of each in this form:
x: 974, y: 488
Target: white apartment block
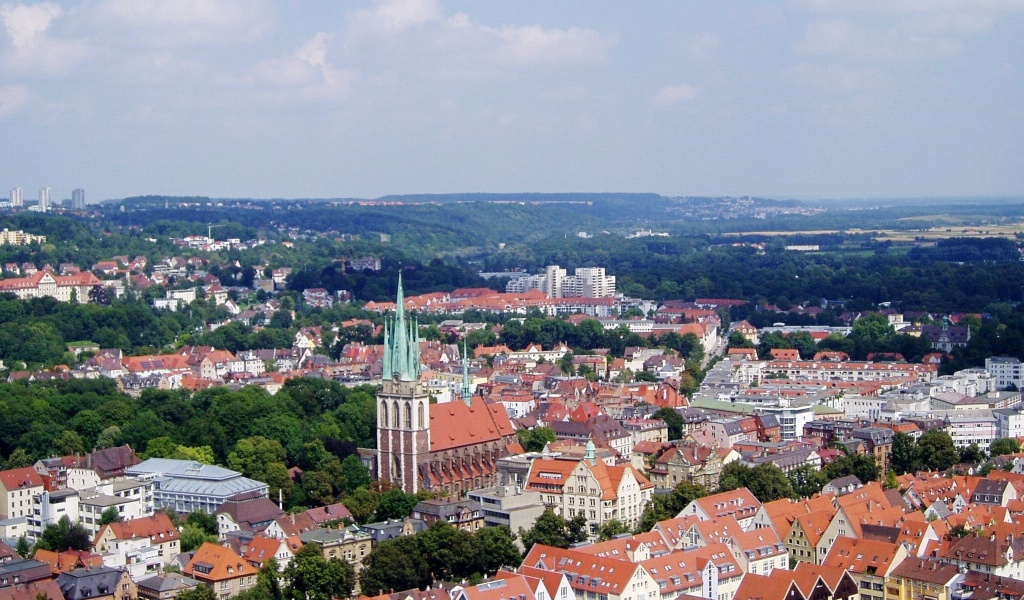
x: 19, y: 238
x: 972, y: 427
x: 585, y: 282
x: 1010, y: 422
x: 1006, y: 370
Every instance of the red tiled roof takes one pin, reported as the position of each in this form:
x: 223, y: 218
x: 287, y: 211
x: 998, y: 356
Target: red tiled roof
x: 24, y: 477
x: 454, y: 424
x: 217, y: 563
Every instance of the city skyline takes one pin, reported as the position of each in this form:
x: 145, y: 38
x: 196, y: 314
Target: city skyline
x: 802, y: 99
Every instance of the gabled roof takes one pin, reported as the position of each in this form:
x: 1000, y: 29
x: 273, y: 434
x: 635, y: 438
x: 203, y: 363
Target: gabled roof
x: 68, y: 560
x: 89, y: 583
x: 759, y: 544
x: 739, y: 503
x: 927, y: 569
x: 331, y: 512
x: 46, y: 588
x: 250, y: 510
x: 550, y: 579
x: 814, y: 524
x: 510, y: 587
x: 807, y: 575
x: 862, y: 556
x: 25, y: 477
x: 454, y: 424
x: 217, y: 563
x: 673, y: 530
x: 619, y: 548
x: 585, y: 572
x: 260, y: 549
x: 762, y: 587
x: 674, y: 572
x: 158, y: 528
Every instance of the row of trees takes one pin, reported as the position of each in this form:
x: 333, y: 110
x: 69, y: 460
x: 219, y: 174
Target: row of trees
x: 308, y: 576
x: 441, y: 552
x: 313, y: 424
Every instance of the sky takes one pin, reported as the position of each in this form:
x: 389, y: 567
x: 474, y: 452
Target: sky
x: 810, y: 99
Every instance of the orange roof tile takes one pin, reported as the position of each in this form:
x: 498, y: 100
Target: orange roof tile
x: 217, y: 563
x: 453, y: 424
x: 599, y: 575
x: 25, y: 477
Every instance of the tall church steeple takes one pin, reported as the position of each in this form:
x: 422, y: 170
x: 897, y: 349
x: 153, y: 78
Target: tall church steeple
x: 401, y: 344
x: 403, y: 421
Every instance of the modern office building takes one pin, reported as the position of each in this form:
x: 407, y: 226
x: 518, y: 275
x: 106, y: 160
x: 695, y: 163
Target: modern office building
x: 188, y: 486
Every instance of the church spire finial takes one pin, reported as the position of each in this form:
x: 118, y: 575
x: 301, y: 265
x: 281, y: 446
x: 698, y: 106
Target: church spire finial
x: 401, y: 343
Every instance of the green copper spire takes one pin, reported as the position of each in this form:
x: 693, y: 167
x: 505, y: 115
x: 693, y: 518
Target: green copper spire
x: 465, y: 374
x: 401, y: 344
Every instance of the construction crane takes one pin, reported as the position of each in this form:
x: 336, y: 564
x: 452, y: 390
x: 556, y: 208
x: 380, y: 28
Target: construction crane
x: 209, y: 231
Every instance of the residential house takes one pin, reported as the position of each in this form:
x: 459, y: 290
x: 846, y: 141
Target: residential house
x: 922, y: 578
x: 350, y: 544
x: 165, y: 587
x: 249, y: 512
x: 466, y: 515
x: 157, y: 532
x: 23, y: 571
x: 991, y: 553
x: 103, y: 583
x: 739, y: 504
x: 592, y: 577
x: 45, y: 588
x: 818, y: 582
x: 687, y: 461
x: 222, y: 570
x: 591, y: 488
x: 870, y: 562
x: 763, y: 587
x: 18, y: 487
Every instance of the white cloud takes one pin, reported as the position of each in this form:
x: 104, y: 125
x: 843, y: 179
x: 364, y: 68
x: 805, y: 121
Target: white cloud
x: 918, y: 6
x: 675, y: 94
x: 184, y: 22
x: 399, y: 15
x: 703, y: 46
x: 671, y: 95
x: 533, y: 44
x: 896, y: 29
x: 26, y: 25
x: 834, y: 77
x: 32, y: 50
x: 306, y: 72
x: 12, y: 99
x: 464, y: 45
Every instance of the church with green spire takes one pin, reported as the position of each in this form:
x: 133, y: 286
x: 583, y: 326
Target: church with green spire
x: 452, y: 447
